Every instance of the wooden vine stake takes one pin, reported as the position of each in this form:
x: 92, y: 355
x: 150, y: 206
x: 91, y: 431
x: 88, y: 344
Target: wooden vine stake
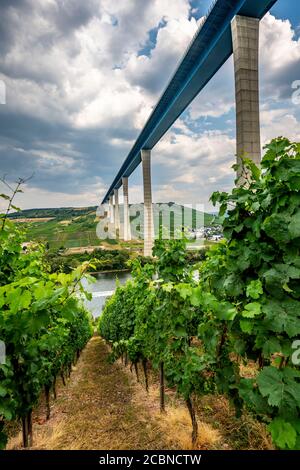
x: 47, y: 396
x: 145, y: 374
x: 54, y: 388
x: 136, y: 371
x: 191, y: 409
x: 27, y: 430
x: 162, y: 387
x: 29, y: 420
x: 63, y: 378
x: 24, y: 431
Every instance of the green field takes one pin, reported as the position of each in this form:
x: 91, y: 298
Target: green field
x: 76, y: 227
x: 80, y: 232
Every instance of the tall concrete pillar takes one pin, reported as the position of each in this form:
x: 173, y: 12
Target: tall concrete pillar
x: 111, y: 210
x: 127, y: 231
x: 245, y: 41
x: 148, y: 208
x: 117, y: 213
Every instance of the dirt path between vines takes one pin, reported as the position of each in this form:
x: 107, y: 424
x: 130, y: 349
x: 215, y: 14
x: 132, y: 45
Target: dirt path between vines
x: 103, y: 407
x: 96, y: 410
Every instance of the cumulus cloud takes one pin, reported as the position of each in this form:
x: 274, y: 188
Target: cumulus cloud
x: 280, y: 57
x: 278, y: 122
x: 279, y: 67
x: 217, y: 98
x: 82, y: 80
x: 152, y: 72
x: 192, y: 166
x: 87, y: 196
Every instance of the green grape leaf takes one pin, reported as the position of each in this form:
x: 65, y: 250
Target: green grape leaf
x: 3, y: 391
x: 196, y: 297
x: 246, y: 326
x: 294, y: 226
x: 254, y: 289
x: 184, y: 290
x: 275, y: 227
x: 283, y: 316
x: 283, y: 433
x: 251, y: 310
x: 280, y: 387
x: 6, y: 412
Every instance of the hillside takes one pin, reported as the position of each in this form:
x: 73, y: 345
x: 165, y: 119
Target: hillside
x: 67, y: 227
x: 70, y: 227
x: 58, y: 212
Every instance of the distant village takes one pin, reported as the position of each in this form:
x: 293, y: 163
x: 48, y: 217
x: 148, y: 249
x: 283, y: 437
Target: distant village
x: 212, y: 233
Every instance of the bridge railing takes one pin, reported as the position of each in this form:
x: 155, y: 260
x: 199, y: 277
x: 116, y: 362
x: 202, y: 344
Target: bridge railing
x: 182, y: 58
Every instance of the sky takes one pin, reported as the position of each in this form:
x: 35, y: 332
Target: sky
x: 81, y: 79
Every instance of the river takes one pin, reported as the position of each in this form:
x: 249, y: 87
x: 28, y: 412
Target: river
x: 103, y: 287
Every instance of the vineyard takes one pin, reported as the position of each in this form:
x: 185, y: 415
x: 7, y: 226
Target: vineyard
x: 203, y: 335
x: 227, y: 326
x: 42, y: 325
x: 72, y: 228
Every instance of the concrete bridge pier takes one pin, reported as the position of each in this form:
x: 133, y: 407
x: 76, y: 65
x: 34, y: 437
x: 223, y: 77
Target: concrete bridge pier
x: 148, y: 208
x: 117, y: 213
x: 245, y: 41
x: 127, y: 231
x: 111, y: 210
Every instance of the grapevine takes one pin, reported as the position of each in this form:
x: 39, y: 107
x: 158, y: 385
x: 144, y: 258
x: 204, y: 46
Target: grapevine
x: 42, y: 324
x: 245, y: 308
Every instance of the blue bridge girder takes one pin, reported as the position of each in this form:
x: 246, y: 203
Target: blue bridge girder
x: 208, y: 51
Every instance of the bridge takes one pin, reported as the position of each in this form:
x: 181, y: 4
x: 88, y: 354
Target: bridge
x: 230, y: 27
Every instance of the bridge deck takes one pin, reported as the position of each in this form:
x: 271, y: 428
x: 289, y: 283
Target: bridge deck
x: 209, y: 49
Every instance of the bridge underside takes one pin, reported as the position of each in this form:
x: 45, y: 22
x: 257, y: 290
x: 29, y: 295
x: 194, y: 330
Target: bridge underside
x: 210, y: 48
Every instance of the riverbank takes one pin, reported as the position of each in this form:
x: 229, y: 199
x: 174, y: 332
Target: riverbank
x: 111, y: 271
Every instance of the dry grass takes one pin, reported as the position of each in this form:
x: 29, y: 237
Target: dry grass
x: 33, y: 219
x: 175, y: 422
x: 65, y: 222
x: 243, y: 433
x: 249, y: 370
x: 95, y: 410
x: 177, y: 426
x: 82, y: 249
x: 218, y: 426
x: 104, y: 407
